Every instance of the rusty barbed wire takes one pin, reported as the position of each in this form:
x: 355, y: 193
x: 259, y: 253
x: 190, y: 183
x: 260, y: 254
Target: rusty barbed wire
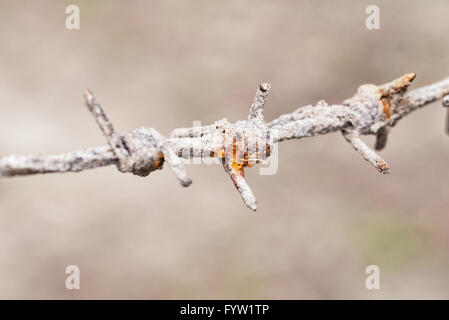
x: 373, y: 110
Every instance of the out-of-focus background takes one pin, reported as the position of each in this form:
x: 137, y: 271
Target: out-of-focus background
x: 322, y: 219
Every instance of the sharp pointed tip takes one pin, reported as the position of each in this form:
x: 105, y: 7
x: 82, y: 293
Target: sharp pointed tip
x: 186, y: 182
x: 88, y: 96
x: 411, y: 76
x: 265, y: 86
x: 252, y: 206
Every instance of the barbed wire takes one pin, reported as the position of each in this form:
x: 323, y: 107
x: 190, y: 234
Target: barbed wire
x: 373, y: 110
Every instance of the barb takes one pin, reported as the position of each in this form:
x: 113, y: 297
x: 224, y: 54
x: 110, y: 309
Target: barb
x: 256, y: 111
x: 115, y: 142
x: 353, y: 137
x: 373, y: 110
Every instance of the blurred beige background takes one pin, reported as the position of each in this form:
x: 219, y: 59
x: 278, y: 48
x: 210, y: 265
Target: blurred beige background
x: 324, y: 216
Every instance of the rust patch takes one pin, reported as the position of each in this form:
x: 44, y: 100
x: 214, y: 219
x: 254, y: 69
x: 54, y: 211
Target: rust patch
x: 404, y: 81
x: 268, y: 150
x: 381, y: 166
x: 236, y: 164
x: 218, y: 153
x: 386, y: 108
x: 159, y: 162
x: 239, y: 158
x: 382, y: 93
